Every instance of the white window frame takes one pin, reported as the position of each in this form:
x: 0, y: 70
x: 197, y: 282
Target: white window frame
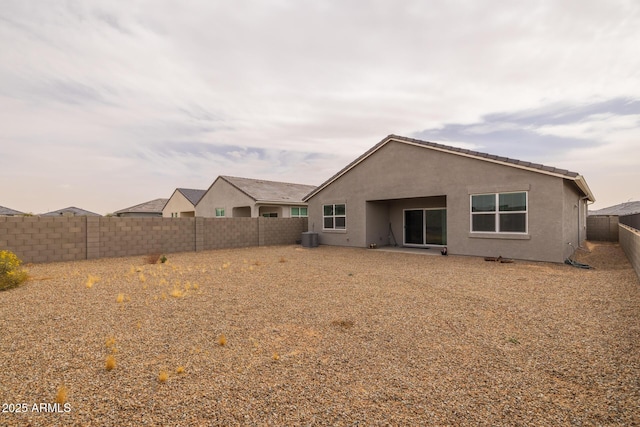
x: 299, y: 215
x: 334, y: 216
x: 497, y: 213
x: 219, y: 212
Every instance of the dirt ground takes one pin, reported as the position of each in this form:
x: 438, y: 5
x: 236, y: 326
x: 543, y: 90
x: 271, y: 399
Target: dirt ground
x: 324, y: 336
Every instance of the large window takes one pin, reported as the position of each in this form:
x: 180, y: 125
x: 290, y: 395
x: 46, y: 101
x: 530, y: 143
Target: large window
x: 299, y: 213
x: 499, y: 213
x: 335, y: 217
x: 219, y: 212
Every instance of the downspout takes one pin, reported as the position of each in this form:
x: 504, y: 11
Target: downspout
x: 580, y: 199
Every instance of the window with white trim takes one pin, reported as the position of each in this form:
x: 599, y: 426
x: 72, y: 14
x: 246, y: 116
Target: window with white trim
x: 334, y: 217
x: 299, y: 212
x: 219, y: 212
x: 499, y: 212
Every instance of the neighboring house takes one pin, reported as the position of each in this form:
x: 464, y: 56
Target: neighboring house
x: 9, y: 212
x: 621, y: 209
x: 70, y: 211
x: 148, y: 209
x: 231, y: 196
x: 422, y: 194
x: 182, y: 203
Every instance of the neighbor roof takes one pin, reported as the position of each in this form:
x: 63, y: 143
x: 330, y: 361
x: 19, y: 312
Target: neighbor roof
x: 152, y: 206
x: 7, y: 211
x: 262, y: 190
x: 72, y: 209
x: 626, y: 208
x: 192, y: 195
x: 535, y: 167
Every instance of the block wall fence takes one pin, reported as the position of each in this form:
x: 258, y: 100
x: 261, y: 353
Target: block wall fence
x: 630, y: 243
x: 51, y: 239
x: 602, y: 228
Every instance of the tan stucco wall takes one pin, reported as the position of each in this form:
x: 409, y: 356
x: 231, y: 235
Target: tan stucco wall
x: 235, y: 203
x: 401, y: 171
x: 221, y: 194
x: 574, y: 226
x: 177, y: 204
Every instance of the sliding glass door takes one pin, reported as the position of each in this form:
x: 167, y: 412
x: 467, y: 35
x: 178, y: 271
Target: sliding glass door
x: 425, y: 227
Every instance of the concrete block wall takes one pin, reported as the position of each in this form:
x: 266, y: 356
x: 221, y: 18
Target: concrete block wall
x: 44, y: 239
x: 219, y: 233
x: 281, y: 231
x: 49, y: 239
x: 602, y: 228
x: 130, y: 236
x: 630, y: 243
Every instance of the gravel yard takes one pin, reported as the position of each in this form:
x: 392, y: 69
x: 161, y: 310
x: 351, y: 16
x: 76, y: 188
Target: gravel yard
x: 324, y: 336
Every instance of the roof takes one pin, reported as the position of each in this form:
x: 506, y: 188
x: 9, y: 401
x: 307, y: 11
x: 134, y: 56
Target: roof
x: 626, y: 208
x: 152, y: 206
x: 262, y: 190
x: 192, y: 195
x: 7, y: 211
x: 534, y: 167
x: 75, y: 211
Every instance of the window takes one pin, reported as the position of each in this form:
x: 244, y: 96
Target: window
x: 219, y: 212
x: 270, y: 215
x: 499, y: 213
x: 299, y: 212
x: 334, y: 217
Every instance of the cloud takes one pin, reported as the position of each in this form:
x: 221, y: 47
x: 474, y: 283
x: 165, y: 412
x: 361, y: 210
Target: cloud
x: 168, y: 94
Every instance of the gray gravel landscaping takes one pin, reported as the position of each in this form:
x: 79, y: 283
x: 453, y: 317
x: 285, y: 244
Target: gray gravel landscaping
x: 323, y: 336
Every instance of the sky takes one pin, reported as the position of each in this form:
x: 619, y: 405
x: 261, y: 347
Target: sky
x: 106, y: 104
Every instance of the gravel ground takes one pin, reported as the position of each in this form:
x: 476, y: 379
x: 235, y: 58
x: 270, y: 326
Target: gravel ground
x: 323, y: 336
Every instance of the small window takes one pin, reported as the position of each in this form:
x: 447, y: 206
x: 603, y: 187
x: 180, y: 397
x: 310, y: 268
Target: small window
x: 299, y: 213
x: 219, y: 212
x: 499, y: 213
x: 270, y: 215
x: 334, y: 217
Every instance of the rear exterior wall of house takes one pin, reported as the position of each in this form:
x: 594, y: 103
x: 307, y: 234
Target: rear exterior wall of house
x: 375, y: 191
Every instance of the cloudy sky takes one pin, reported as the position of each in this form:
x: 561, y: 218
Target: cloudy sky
x: 107, y: 104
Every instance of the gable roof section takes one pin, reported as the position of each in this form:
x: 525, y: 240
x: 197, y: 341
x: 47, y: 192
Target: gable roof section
x: 152, y: 206
x: 192, y: 195
x: 621, y: 209
x: 533, y: 167
x: 262, y: 190
x: 7, y: 211
x: 75, y: 211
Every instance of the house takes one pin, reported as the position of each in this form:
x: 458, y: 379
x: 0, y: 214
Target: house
x: 152, y: 208
x: 421, y: 194
x: 9, y: 212
x: 627, y: 208
x: 70, y: 211
x: 182, y: 203
x: 230, y: 196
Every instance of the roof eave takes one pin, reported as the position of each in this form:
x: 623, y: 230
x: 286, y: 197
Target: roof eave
x: 582, y: 185
x: 578, y: 178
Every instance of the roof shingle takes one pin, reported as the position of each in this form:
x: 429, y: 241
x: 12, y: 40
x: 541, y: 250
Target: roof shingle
x: 262, y: 190
x: 192, y: 195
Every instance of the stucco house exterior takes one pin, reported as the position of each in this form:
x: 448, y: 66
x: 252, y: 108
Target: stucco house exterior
x: 182, y: 203
x: 421, y: 194
x: 9, y: 212
x: 152, y: 208
x: 230, y: 196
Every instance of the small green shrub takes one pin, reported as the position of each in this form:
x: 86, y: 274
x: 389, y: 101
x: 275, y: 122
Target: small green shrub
x: 11, y: 275
x: 163, y: 259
